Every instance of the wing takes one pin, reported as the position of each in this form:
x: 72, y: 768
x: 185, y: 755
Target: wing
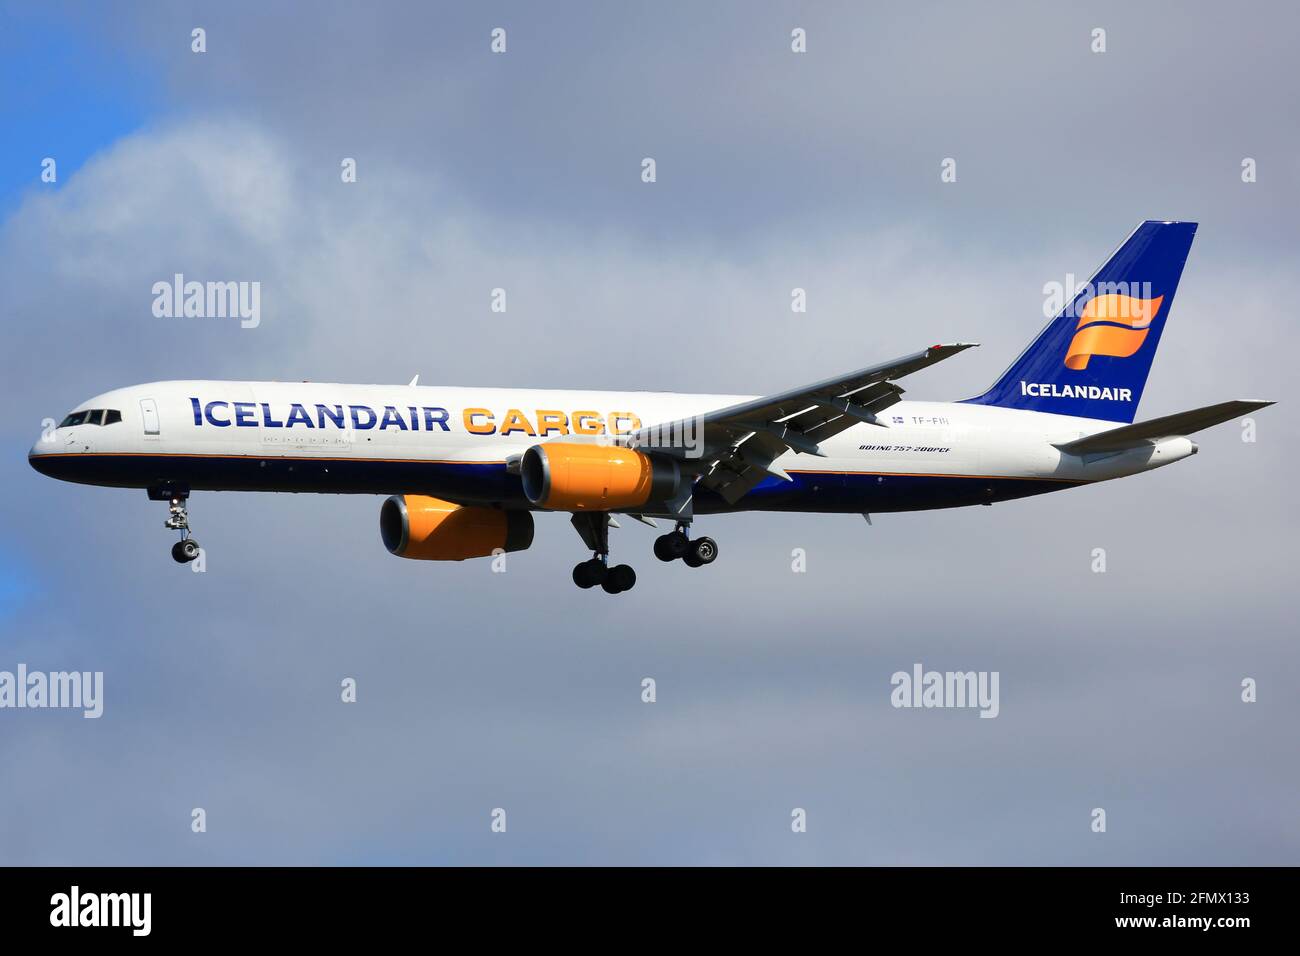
x: 735, y: 447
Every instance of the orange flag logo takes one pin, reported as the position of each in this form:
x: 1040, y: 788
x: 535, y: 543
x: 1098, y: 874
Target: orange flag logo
x: 1111, y: 324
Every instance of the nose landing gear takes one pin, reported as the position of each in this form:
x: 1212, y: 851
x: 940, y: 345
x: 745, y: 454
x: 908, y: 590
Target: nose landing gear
x: 178, y: 519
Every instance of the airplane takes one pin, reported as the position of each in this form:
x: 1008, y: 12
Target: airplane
x: 466, y: 468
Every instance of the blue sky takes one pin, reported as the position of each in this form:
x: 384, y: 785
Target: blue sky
x: 68, y: 94
x: 479, y: 690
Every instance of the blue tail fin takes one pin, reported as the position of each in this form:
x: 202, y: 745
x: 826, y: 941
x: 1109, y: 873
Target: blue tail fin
x: 1092, y: 360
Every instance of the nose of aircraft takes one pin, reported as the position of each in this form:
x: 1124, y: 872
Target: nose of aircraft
x: 39, y: 456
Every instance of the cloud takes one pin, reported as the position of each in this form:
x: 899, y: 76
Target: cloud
x: 753, y: 139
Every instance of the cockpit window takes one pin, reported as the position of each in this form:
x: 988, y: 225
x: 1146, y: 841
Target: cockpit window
x: 93, y: 416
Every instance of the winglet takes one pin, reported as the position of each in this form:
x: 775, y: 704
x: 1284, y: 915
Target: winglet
x: 937, y: 353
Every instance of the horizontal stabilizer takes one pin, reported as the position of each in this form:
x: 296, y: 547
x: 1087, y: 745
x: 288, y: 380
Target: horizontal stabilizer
x: 1182, y: 423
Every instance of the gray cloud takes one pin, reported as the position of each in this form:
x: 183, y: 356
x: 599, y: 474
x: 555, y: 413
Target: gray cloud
x: 750, y: 135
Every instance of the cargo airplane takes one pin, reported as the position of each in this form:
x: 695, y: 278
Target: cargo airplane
x: 466, y: 468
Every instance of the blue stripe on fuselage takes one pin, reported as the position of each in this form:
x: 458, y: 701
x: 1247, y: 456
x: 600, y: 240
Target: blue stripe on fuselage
x: 837, y: 492
x: 489, y: 482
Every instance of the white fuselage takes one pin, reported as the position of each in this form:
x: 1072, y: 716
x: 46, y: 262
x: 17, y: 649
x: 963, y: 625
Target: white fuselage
x: 455, y: 441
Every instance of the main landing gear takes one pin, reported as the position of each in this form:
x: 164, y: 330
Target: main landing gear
x: 593, y: 527
x: 178, y: 519
x: 619, y: 578
x: 676, y: 544
x: 693, y: 553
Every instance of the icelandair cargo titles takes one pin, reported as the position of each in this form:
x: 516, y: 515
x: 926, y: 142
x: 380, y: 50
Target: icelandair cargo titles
x: 467, y: 467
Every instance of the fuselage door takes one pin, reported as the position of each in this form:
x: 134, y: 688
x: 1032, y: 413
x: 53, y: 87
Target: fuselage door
x: 149, y: 415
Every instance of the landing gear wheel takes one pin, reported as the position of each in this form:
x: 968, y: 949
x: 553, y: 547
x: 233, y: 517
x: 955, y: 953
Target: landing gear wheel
x: 703, y: 551
x: 671, y: 546
x: 590, y: 573
x: 620, y: 578
x: 183, y: 552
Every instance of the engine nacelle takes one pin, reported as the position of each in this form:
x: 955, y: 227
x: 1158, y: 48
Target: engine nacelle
x: 565, y: 476
x: 430, y: 529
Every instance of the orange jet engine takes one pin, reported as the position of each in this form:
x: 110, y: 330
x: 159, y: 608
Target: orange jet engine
x: 563, y: 476
x: 430, y: 529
